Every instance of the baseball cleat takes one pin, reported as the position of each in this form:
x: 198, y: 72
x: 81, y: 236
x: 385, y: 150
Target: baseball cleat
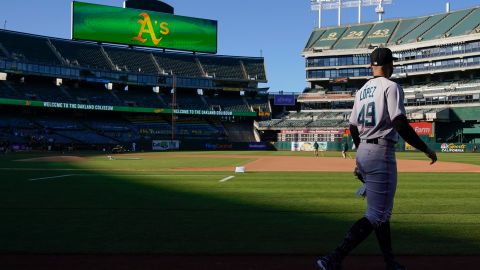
x: 328, y: 263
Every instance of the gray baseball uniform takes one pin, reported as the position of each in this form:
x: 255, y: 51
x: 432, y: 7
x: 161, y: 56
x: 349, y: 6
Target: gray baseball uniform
x: 377, y: 103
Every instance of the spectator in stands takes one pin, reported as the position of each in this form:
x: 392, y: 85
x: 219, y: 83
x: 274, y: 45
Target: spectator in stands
x: 315, y: 147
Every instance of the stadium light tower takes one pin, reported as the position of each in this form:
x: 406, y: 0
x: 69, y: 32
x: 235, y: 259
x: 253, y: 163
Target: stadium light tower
x: 319, y: 5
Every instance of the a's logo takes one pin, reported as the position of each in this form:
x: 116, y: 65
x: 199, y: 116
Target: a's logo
x: 148, y: 28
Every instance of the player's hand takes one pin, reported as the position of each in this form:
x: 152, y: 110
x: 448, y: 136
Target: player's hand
x: 431, y: 155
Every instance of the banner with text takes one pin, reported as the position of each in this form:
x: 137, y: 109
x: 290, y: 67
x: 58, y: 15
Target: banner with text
x: 93, y: 107
x: 423, y: 128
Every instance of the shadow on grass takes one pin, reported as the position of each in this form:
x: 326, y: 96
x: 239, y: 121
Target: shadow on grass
x: 105, y: 213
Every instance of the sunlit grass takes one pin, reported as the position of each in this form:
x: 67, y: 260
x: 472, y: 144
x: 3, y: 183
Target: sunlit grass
x: 191, y: 212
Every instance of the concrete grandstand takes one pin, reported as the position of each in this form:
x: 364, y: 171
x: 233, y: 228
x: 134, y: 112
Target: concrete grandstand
x: 56, y: 93
x: 438, y: 67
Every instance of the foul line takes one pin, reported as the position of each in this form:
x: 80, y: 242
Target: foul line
x: 51, y: 177
x: 130, y: 175
x: 226, y: 179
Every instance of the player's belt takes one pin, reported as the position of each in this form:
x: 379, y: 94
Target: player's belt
x: 379, y: 141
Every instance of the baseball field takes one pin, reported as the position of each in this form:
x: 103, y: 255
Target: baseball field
x: 191, y: 211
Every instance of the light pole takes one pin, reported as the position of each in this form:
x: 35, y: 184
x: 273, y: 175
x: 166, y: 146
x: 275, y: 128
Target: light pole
x: 320, y: 5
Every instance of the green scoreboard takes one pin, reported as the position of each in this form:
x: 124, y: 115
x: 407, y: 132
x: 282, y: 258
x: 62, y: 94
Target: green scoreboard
x: 136, y: 27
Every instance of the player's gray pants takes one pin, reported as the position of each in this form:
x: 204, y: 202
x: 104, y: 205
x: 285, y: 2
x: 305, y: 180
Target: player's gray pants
x: 378, y: 165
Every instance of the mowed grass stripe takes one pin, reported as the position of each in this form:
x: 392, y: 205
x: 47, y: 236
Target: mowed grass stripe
x: 296, y: 213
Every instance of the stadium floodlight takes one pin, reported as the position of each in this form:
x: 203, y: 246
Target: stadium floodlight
x: 319, y: 5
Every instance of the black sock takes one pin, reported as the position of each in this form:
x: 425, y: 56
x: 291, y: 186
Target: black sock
x: 385, y: 241
x: 357, y: 233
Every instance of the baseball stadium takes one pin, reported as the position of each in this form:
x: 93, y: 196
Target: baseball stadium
x: 123, y: 148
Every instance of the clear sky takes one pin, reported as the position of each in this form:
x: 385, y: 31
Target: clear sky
x: 279, y: 29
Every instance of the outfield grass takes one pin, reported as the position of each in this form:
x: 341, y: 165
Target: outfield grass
x: 191, y: 212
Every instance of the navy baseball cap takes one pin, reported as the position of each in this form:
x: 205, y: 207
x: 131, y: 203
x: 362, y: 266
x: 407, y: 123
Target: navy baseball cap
x: 381, y: 56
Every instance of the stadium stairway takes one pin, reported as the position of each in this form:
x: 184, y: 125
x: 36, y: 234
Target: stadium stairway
x: 109, y: 60
x: 56, y: 52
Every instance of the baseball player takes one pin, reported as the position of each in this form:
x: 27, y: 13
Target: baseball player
x: 378, y: 117
x: 315, y: 147
x: 345, y: 149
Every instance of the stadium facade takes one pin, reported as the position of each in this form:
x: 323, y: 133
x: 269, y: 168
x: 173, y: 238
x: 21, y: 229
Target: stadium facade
x: 438, y: 67
x: 57, y: 93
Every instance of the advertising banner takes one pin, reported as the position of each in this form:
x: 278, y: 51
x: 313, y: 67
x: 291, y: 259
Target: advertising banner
x: 284, y: 100
x: 257, y: 146
x: 159, y: 145
x: 218, y: 146
x: 308, y: 146
x: 423, y: 128
x: 92, y: 107
x: 137, y: 27
x: 453, y: 148
x: 315, y: 131
x: 408, y: 147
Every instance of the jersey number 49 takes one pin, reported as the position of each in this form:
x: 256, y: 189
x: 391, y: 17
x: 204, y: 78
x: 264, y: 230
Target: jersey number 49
x: 366, y: 117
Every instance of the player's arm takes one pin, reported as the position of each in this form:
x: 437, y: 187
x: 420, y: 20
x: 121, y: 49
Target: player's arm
x: 396, y: 110
x: 354, y: 124
x: 408, y: 133
x: 355, y: 135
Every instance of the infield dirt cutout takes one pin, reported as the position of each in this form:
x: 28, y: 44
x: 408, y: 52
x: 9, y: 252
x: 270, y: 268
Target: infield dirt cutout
x: 326, y: 164
x: 286, y: 163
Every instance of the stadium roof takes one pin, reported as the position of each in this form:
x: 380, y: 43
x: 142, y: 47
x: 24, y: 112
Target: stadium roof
x: 397, y: 32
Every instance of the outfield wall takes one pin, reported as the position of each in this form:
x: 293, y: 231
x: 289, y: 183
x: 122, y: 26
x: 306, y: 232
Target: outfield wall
x: 400, y: 147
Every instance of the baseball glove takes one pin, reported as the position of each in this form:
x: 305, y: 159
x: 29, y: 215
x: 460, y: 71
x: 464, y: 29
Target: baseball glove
x: 359, y: 175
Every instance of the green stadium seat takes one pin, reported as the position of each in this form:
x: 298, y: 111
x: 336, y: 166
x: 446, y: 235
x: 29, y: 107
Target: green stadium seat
x: 422, y: 28
x: 255, y: 67
x: 314, y: 37
x: 329, y: 38
x: 380, y: 33
x: 223, y: 67
x: 180, y: 65
x: 84, y: 55
x: 353, y: 36
x: 446, y: 24
x: 27, y: 47
x: 467, y: 25
x: 132, y: 61
x: 404, y: 27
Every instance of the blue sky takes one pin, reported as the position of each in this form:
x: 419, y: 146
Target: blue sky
x: 279, y: 29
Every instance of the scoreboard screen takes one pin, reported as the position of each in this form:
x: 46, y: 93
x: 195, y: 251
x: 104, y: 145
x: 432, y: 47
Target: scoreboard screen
x: 136, y: 27
x: 284, y: 100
